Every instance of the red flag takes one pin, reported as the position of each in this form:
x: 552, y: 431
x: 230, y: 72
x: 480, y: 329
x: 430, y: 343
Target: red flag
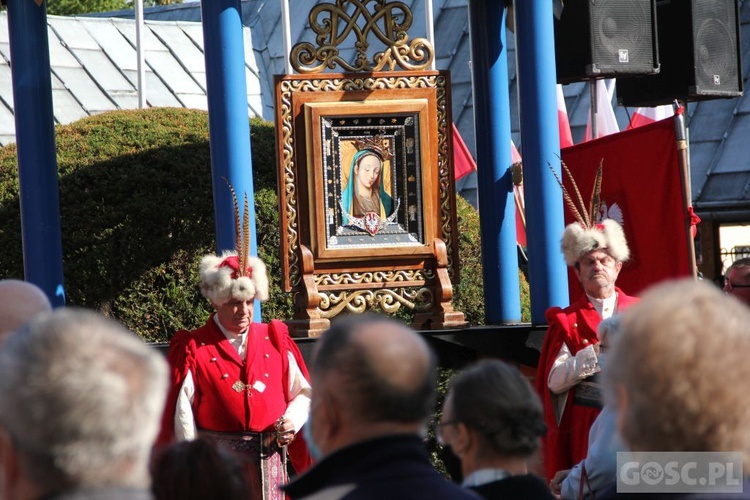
x: 644, y: 116
x: 463, y: 162
x: 606, y: 121
x: 519, y: 198
x: 515, y: 156
x: 566, y: 138
x: 642, y: 188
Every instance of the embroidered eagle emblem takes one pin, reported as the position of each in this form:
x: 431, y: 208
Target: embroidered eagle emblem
x: 613, y: 212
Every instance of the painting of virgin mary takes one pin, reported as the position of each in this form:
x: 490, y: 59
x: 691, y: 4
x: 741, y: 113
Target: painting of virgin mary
x: 365, y: 190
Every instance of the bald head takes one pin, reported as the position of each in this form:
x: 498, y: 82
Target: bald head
x: 398, y: 357
x: 19, y: 303
x: 379, y: 368
x: 737, y: 280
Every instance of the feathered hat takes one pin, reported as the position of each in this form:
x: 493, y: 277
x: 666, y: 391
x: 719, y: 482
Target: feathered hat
x: 588, y: 233
x: 234, y: 274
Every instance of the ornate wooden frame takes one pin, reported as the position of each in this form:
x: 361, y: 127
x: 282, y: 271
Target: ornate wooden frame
x: 401, y: 252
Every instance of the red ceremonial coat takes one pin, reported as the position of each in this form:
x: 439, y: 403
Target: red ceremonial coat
x: 232, y: 395
x: 566, y: 443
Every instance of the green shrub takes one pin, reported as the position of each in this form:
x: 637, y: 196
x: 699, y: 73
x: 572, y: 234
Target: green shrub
x: 137, y: 214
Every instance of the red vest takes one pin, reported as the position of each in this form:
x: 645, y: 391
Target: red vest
x: 231, y: 395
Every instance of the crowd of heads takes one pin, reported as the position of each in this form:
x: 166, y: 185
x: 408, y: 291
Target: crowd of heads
x: 81, y: 397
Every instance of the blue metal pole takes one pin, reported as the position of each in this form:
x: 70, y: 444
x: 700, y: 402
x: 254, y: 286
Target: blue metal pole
x: 535, y: 47
x: 228, y: 122
x: 492, y: 122
x: 35, y: 142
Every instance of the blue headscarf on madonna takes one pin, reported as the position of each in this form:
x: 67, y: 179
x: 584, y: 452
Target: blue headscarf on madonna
x: 349, y: 192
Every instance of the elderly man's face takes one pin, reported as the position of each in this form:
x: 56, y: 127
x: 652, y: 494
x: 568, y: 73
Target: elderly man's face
x: 737, y: 283
x: 598, y: 272
x: 236, y: 315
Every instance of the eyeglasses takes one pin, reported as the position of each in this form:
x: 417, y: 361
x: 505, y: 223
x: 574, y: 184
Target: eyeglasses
x: 439, y: 430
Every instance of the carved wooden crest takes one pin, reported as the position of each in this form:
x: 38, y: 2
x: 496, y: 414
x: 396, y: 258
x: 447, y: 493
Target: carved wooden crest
x: 355, y: 23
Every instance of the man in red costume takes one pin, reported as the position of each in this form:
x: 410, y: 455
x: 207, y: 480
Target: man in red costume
x: 568, y: 365
x: 239, y: 383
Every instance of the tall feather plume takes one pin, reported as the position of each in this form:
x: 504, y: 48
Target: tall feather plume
x: 568, y: 199
x: 586, y: 217
x: 237, y: 239
x: 244, y: 260
x: 596, y: 198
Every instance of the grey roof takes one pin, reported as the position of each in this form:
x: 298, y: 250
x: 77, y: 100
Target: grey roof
x: 94, y: 68
x: 719, y: 142
x: 99, y: 56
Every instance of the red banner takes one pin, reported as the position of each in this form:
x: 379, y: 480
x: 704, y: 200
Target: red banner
x: 641, y: 189
x: 463, y: 162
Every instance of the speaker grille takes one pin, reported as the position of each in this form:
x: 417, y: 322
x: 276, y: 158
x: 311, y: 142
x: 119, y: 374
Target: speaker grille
x: 699, y: 55
x: 622, y: 36
x: 715, y: 46
x: 605, y: 38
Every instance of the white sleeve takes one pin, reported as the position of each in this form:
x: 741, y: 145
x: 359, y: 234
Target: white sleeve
x: 184, y: 422
x: 568, y: 370
x: 298, y: 408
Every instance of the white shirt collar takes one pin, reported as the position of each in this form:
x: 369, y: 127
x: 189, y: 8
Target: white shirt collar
x: 237, y: 341
x: 605, y: 307
x: 484, y: 476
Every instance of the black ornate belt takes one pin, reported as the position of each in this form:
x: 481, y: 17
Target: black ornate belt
x: 589, y: 392
x: 254, y: 443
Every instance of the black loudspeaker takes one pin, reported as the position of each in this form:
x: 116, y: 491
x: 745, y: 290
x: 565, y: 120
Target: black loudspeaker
x: 605, y: 39
x: 700, y: 55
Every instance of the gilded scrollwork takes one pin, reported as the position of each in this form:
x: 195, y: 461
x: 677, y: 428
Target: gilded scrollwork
x: 290, y: 190
x: 387, y: 300
x: 386, y: 21
x: 333, y: 279
x: 444, y: 174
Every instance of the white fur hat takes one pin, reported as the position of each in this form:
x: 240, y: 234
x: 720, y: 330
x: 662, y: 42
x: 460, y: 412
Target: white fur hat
x: 587, y: 234
x: 578, y: 240
x: 221, y: 279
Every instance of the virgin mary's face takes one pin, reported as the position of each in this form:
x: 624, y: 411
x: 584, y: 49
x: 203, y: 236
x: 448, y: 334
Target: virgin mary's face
x: 368, y: 171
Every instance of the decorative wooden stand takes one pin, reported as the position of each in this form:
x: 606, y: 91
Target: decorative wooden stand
x: 442, y: 316
x: 338, y: 262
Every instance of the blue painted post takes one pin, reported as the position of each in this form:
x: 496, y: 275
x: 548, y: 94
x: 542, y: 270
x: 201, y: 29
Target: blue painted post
x: 492, y: 122
x: 228, y: 122
x: 541, y: 148
x: 35, y: 142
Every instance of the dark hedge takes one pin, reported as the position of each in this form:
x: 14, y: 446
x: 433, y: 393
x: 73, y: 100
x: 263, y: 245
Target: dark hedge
x: 137, y: 214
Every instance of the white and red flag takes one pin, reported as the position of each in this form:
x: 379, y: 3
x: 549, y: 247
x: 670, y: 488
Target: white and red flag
x: 644, y: 116
x: 515, y: 157
x: 566, y: 138
x: 606, y: 121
